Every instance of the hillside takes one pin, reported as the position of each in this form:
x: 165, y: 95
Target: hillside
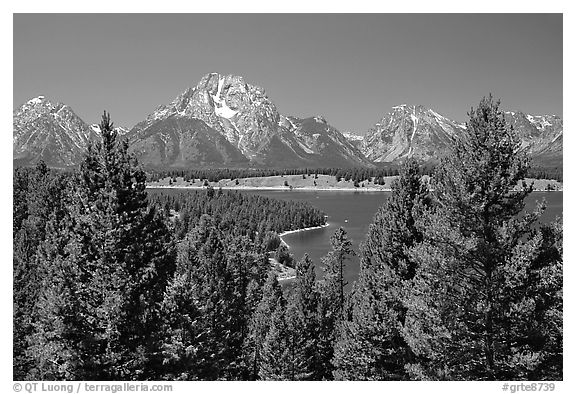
x: 297, y: 182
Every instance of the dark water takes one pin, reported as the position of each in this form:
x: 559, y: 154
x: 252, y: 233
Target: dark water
x: 354, y: 212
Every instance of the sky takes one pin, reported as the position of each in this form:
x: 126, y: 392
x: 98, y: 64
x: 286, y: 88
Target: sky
x: 349, y: 68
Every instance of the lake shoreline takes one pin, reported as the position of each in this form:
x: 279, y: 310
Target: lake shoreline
x: 303, y: 189
x: 284, y: 272
x: 299, y: 231
x: 274, y: 188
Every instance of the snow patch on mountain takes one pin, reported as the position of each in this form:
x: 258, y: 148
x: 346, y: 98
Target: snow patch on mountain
x: 305, y: 148
x: 35, y: 100
x: 559, y: 135
x: 353, y: 137
x: 161, y: 112
x: 220, y: 107
x: 294, y: 127
x: 437, y: 115
x: 414, y: 126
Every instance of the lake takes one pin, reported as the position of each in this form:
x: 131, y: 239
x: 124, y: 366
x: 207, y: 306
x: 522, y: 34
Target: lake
x: 354, y: 211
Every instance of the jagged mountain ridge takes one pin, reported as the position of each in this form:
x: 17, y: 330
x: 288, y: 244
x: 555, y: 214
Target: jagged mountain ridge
x: 410, y: 131
x: 224, y: 121
x: 49, y: 132
x: 250, y: 122
x: 541, y: 135
x: 414, y: 131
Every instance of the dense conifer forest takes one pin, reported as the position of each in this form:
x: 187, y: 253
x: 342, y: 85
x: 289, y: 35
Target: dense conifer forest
x: 113, y: 283
x: 236, y: 213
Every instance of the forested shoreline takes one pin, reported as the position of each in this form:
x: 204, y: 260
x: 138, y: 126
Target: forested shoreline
x: 236, y: 213
x: 376, y: 175
x: 114, y: 283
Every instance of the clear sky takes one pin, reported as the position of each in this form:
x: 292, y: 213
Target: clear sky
x: 350, y: 68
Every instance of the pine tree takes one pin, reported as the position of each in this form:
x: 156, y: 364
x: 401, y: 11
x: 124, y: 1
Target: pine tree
x: 472, y: 313
x: 354, y: 355
x: 244, y: 268
x: 182, y: 314
x: 39, y: 198
x: 287, y: 345
x: 298, y: 355
x: 283, y: 256
x: 272, y: 299
x: 370, y: 345
x: 221, y: 276
x: 206, y: 260
x: 274, y: 354
x: 107, y: 272
x: 332, y: 301
x: 302, y: 322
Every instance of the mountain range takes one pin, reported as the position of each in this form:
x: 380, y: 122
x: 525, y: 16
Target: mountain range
x: 224, y: 121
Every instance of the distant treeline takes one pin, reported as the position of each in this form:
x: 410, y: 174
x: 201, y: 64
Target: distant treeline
x: 236, y: 213
x: 216, y: 174
x: 538, y: 172
x: 357, y: 174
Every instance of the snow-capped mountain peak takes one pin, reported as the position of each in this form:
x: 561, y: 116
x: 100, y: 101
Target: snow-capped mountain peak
x: 248, y: 119
x: 119, y: 129
x: 416, y: 131
x: 36, y: 100
x: 50, y: 132
x: 353, y: 136
x: 224, y: 120
x: 409, y: 130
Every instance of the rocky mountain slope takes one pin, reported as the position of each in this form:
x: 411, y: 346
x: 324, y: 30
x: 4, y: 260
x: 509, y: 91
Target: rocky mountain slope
x: 49, y: 132
x: 354, y: 139
x: 249, y: 121
x: 415, y: 131
x: 541, y: 135
x: 180, y: 141
x: 226, y: 122
x: 410, y: 131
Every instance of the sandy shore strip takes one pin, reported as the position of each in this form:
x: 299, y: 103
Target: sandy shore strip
x: 307, y: 189
x: 298, y: 231
x: 303, y: 229
x: 275, y: 188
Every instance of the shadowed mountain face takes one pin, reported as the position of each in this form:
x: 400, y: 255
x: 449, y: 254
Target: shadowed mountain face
x: 179, y: 142
x: 225, y: 122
